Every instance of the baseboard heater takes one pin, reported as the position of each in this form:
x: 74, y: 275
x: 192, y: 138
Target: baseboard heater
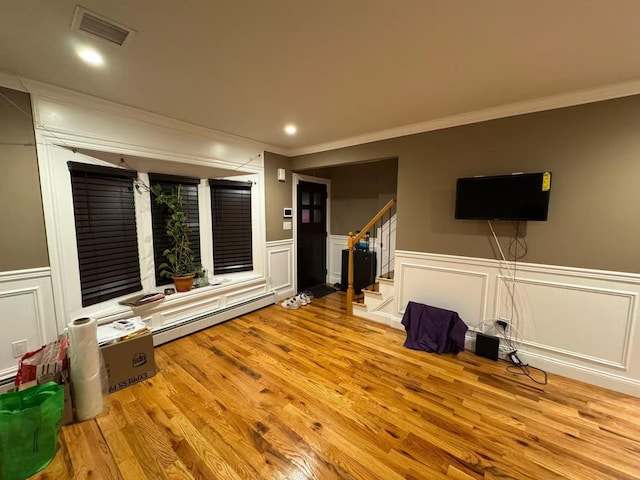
x: 171, y: 332
x: 7, y: 384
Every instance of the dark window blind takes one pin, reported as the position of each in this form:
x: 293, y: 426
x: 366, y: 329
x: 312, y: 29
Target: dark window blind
x: 159, y: 218
x: 106, y: 233
x: 231, y: 218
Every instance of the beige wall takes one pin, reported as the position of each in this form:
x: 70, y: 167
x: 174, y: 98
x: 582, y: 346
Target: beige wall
x: 359, y: 191
x: 592, y: 150
x: 23, y: 242
x: 278, y: 195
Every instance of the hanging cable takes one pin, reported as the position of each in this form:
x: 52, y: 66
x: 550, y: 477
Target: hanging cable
x: 33, y: 120
x: 508, y: 331
x: 511, y: 286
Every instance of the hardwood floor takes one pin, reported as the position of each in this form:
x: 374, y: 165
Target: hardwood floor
x: 312, y: 393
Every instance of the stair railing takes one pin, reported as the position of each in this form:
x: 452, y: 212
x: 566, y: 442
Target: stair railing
x: 353, y: 240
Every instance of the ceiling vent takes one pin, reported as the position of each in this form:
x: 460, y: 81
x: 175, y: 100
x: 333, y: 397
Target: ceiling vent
x: 101, y: 27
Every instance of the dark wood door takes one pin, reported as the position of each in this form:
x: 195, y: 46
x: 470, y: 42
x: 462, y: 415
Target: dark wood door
x: 312, y: 234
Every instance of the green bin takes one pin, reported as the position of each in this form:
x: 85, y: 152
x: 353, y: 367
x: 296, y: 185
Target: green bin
x: 29, y: 425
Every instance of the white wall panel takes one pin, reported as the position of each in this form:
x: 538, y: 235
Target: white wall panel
x: 26, y: 313
x: 464, y: 291
x: 280, y: 267
x: 337, y: 243
x: 573, y: 319
x: 576, y: 322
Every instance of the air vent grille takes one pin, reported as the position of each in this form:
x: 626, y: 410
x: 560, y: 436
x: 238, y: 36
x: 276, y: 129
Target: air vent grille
x: 94, y: 24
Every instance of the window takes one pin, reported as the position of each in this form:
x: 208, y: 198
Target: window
x: 231, y: 219
x: 159, y: 213
x: 106, y: 233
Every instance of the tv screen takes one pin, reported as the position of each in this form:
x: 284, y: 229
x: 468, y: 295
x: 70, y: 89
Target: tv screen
x: 522, y: 196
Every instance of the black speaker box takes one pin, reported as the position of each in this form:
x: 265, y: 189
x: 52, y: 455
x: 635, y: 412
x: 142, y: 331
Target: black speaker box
x: 487, y: 346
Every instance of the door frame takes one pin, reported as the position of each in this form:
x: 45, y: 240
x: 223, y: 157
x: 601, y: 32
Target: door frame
x: 297, y: 178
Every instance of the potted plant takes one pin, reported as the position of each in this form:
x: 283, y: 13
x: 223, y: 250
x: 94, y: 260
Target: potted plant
x: 180, y: 264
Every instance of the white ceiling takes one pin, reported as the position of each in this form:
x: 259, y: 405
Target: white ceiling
x: 335, y: 68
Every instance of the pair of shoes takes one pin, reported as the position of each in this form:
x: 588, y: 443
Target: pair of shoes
x: 291, y: 303
x: 303, y: 298
x: 296, y: 302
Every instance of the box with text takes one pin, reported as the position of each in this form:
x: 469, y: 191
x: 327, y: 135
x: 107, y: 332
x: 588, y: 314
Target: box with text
x: 129, y: 361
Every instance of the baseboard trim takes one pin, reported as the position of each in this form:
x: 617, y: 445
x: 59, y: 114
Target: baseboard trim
x: 167, y: 333
x: 385, y: 318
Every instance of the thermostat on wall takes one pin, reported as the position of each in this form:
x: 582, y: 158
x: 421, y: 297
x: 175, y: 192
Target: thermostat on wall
x: 287, y: 212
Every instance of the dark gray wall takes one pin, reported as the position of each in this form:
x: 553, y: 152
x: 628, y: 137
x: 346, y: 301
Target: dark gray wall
x: 23, y: 242
x: 592, y: 150
x: 359, y: 191
x: 278, y: 195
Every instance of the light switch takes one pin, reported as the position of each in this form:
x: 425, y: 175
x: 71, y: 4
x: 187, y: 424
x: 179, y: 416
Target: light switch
x: 286, y: 225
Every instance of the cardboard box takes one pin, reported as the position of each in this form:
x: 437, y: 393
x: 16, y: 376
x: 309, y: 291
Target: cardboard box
x: 129, y: 361
x: 67, y: 412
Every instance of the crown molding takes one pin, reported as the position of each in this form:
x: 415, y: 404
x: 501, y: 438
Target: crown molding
x: 59, y: 94
x: 12, y: 81
x: 508, y: 110
x: 581, y: 97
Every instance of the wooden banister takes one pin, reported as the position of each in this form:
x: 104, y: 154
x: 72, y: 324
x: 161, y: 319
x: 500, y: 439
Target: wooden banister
x: 352, y: 241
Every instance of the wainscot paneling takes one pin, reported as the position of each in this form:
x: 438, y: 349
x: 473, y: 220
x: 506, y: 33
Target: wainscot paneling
x: 576, y: 322
x: 26, y: 313
x: 280, y: 267
x: 337, y: 243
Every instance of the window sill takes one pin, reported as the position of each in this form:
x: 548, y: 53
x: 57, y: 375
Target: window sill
x: 224, y: 286
x: 178, y: 299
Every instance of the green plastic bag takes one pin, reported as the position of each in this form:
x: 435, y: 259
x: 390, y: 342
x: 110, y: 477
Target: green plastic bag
x: 29, y: 425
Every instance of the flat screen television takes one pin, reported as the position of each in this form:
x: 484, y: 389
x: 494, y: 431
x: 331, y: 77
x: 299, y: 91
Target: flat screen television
x: 523, y: 196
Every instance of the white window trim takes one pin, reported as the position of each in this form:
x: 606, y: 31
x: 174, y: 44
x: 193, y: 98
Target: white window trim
x: 60, y: 224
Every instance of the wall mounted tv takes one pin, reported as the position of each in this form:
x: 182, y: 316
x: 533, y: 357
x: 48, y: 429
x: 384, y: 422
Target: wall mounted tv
x: 522, y: 196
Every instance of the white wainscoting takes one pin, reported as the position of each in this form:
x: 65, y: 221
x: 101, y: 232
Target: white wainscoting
x: 576, y: 322
x: 337, y: 243
x: 280, y: 267
x: 26, y: 313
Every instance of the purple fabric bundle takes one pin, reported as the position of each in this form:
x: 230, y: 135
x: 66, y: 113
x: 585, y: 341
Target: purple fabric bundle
x: 433, y: 329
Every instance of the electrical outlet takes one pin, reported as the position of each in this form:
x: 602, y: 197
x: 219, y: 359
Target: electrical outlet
x: 19, y: 348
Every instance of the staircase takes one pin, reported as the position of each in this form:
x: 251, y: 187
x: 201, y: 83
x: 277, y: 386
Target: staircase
x: 376, y: 301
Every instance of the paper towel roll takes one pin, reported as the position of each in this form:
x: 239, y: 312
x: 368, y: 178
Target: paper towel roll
x: 86, y: 378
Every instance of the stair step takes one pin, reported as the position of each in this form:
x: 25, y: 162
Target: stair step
x: 373, y: 292
x: 384, y: 280
x: 358, y: 304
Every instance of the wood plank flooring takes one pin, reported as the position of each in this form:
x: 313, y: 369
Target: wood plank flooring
x: 312, y: 393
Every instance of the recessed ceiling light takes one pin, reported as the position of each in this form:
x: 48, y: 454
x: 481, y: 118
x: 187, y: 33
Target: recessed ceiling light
x: 91, y: 56
x: 290, y: 129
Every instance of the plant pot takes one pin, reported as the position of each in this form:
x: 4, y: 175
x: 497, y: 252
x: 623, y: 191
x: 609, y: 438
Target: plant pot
x: 183, y: 284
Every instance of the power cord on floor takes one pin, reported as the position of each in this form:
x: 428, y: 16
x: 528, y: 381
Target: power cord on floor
x: 502, y: 326
x: 524, y: 369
